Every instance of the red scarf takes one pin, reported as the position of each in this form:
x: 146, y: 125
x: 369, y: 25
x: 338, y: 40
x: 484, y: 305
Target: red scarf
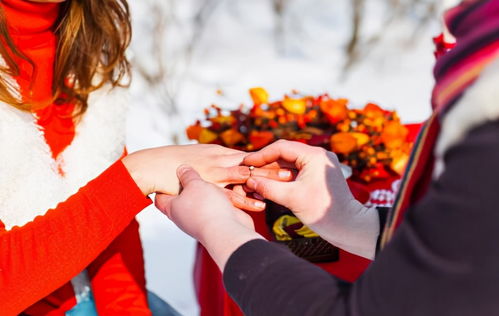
x: 475, y: 25
x: 31, y: 26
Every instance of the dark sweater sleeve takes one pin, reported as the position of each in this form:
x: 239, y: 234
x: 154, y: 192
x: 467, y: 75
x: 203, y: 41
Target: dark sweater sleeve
x: 443, y: 260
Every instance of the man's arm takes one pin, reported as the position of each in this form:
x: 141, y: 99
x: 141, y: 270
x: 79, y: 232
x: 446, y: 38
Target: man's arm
x: 442, y: 260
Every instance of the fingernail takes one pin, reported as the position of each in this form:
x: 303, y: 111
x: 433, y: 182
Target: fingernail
x: 259, y: 204
x: 284, y: 174
x: 251, y: 183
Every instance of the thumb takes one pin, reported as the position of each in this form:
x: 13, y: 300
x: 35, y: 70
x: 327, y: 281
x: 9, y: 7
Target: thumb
x: 276, y: 191
x: 187, y: 175
x: 163, y: 202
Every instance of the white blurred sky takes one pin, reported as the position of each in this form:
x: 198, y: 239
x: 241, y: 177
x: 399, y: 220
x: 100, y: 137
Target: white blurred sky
x: 235, y: 52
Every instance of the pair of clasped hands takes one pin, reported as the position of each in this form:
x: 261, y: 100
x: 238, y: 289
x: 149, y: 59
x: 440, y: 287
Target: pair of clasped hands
x: 305, y: 179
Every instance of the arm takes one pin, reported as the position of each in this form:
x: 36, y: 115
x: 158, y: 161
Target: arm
x: 53, y: 248
x: 118, y: 277
x: 39, y: 257
x: 442, y: 261
x: 319, y: 196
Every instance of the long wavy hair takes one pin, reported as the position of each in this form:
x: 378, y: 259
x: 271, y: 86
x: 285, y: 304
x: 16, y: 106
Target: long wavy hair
x: 92, y: 38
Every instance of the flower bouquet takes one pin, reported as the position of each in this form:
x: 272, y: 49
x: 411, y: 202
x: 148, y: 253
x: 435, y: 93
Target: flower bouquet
x: 371, y: 141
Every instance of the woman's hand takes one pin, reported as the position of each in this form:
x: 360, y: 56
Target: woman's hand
x: 203, y: 211
x: 154, y: 170
x: 319, y: 196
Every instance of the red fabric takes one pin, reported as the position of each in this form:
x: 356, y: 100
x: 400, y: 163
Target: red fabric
x: 117, y: 275
x: 31, y: 27
x: 58, y: 127
x: 44, y: 254
x: 214, y: 300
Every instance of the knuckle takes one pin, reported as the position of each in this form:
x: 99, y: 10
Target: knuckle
x: 263, y: 188
x: 333, y: 157
x: 281, y: 142
x: 234, y: 173
x: 320, y: 151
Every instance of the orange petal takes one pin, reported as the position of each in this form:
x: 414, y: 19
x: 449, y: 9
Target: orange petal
x: 335, y: 110
x: 394, y: 134
x: 398, y: 164
x: 231, y: 137
x: 259, y: 95
x: 260, y: 139
x: 206, y: 136
x: 361, y: 138
x: 194, y: 131
x: 343, y: 143
x: 295, y: 106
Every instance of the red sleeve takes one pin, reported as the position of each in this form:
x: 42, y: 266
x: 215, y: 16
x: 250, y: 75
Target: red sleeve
x: 41, y: 256
x: 117, y: 276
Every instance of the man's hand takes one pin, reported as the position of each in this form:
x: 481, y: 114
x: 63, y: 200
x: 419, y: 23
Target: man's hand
x: 319, y: 196
x: 203, y: 211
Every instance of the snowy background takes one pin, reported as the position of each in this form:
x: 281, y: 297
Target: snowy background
x: 185, y: 51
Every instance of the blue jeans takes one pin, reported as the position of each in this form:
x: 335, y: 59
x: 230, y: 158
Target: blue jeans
x: 86, y: 307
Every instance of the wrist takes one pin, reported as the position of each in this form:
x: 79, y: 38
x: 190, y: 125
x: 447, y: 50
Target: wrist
x: 132, y: 164
x: 222, y: 239
x: 356, y: 230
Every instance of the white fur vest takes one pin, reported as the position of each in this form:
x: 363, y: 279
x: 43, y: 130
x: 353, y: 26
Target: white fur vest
x: 30, y: 183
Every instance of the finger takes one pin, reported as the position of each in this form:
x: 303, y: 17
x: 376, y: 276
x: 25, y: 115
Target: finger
x: 279, y: 192
x: 234, y: 159
x: 239, y: 190
x: 272, y: 173
x: 163, y: 203
x: 187, y: 175
x: 231, y: 175
x: 258, y: 196
x: 279, y: 164
x: 245, y: 203
x: 281, y: 150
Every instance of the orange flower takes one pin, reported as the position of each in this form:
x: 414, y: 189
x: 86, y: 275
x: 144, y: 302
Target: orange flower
x: 343, y: 126
x: 231, y: 137
x: 260, y: 139
x: 335, y: 110
x: 372, y: 110
x: 206, y: 136
x: 343, y: 143
x: 311, y: 115
x: 223, y: 119
x: 360, y: 138
x: 194, y: 131
x: 295, y: 106
x: 370, y: 140
x: 259, y: 95
x: 399, y: 163
x: 394, y: 135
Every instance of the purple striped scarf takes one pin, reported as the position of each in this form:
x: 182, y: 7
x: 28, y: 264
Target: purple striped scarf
x: 475, y: 25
